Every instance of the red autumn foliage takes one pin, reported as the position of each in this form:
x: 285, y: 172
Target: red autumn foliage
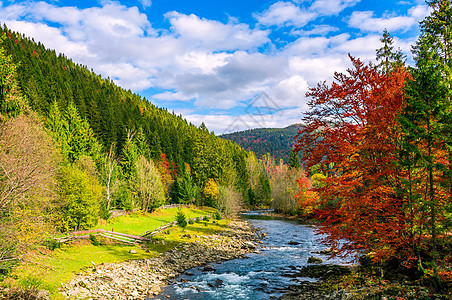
x: 352, y: 131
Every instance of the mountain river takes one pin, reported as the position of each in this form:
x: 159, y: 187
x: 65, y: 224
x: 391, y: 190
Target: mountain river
x: 259, y: 275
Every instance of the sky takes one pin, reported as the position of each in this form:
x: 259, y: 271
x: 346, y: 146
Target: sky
x: 232, y: 64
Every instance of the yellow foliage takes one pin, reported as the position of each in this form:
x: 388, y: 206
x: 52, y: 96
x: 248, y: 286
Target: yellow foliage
x: 211, y: 192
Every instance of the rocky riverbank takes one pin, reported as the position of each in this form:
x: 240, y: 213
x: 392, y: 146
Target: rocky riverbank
x: 330, y: 286
x: 139, y: 279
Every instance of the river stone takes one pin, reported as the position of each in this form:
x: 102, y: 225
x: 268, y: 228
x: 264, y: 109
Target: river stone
x: 124, y: 279
x: 209, y: 268
x: 219, y: 282
x: 248, y: 245
x: 314, y: 260
x: 133, y: 251
x: 155, y: 289
x: 293, y: 243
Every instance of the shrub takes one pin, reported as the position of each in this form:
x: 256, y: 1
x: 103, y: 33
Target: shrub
x: 191, y: 222
x: 206, y: 218
x: 229, y: 200
x: 52, y: 244
x: 180, y: 218
x: 94, y: 240
x: 217, y: 215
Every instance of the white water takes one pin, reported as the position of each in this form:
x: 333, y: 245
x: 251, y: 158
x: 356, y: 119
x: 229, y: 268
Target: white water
x: 259, y: 276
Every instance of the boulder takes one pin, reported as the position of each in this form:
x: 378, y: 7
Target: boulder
x: 248, y: 245
x: 315, y: 260
x: 209, y: 268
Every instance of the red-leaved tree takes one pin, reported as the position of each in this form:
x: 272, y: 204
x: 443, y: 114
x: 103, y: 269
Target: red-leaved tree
x: 352, y: 132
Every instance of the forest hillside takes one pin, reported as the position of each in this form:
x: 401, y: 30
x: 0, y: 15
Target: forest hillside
x: 278, y: 142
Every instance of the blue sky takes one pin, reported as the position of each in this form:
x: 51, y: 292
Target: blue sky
x: 231, y: 64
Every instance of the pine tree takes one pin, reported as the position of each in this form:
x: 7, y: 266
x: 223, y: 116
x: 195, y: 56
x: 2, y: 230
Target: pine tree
x: 11, y: 100
x: 294, y: 161
x: 390, y: 60
x: 426, y: 144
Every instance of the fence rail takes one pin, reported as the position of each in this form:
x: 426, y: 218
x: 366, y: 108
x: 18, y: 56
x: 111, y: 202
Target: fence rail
x: 118, y: 236
x: 122, y: 237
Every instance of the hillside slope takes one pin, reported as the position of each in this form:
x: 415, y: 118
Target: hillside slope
x: 45, y: 77
x: 276, y: 141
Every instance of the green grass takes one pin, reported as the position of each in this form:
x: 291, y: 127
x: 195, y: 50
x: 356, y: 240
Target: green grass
x: 141, y: 222
x: 49, y: 269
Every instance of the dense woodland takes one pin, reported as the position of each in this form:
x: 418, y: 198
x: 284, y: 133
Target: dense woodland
x: 74, y: 146
x: 381, y: 134
x: 278, y: 142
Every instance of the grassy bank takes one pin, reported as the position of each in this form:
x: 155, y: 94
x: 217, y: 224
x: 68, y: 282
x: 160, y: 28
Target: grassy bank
x: 46, y: 269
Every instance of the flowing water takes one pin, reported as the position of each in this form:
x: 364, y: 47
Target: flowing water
x: 259, y: 275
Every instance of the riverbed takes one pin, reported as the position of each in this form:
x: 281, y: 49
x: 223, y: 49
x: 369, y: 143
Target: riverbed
x: 264, y: 275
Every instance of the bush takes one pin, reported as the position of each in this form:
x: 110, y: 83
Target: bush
x: 229, y: 200
x: 217, y: 215
x: 191, y: 222
x: 94, y: 240
x: 206, y: 218
x: 180, y: 218
x: 52, y: 244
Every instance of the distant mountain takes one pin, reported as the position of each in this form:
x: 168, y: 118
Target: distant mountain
x: 276, y: 141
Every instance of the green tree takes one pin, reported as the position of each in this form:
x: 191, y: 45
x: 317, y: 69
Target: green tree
x: 81, y: 196
x: 148, y: 185
x: 79, y: 136
x: 11, y: 100
x: 129, y: 156
x: 73, y: 134
x: 294, y: 161
x: 181, y: 219
x: 186, y: 190
x: 426, y: 142
x: 389, y: 59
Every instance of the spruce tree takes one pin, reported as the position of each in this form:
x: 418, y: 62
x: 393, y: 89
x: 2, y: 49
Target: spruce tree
x: 425, y: 122
x: 389, y: 59
x: 294, y: 161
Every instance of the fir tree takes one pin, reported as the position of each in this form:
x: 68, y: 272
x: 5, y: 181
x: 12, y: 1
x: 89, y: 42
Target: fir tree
x: 389, y: 60
x: 294, y: 161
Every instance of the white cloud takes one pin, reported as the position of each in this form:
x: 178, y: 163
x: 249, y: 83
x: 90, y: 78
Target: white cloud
x: 419, y: 12
x: 316, y: 30
x: 285, y: 14
x: 366, y: 20
x: 146, y: 3
x: 172, y: 96
x: 199, y: 61
x: 332, y: 7
x: 206, y: 63
x: 214, y: 35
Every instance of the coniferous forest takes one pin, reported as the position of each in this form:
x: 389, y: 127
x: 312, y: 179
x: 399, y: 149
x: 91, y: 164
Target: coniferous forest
x: 90, y: 147
x: 276, y: 141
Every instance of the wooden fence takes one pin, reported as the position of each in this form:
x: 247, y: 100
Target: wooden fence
x: 117, y: 236
x: 120, y: 212
x: 121, y: 237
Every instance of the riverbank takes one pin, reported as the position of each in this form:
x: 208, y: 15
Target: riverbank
x: 353, y: 282
x: 142, y: 278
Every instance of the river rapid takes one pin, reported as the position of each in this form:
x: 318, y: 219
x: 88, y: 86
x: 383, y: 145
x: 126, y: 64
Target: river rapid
x: 264, y: 275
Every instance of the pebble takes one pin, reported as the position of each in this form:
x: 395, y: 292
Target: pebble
x: 138, y: 278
